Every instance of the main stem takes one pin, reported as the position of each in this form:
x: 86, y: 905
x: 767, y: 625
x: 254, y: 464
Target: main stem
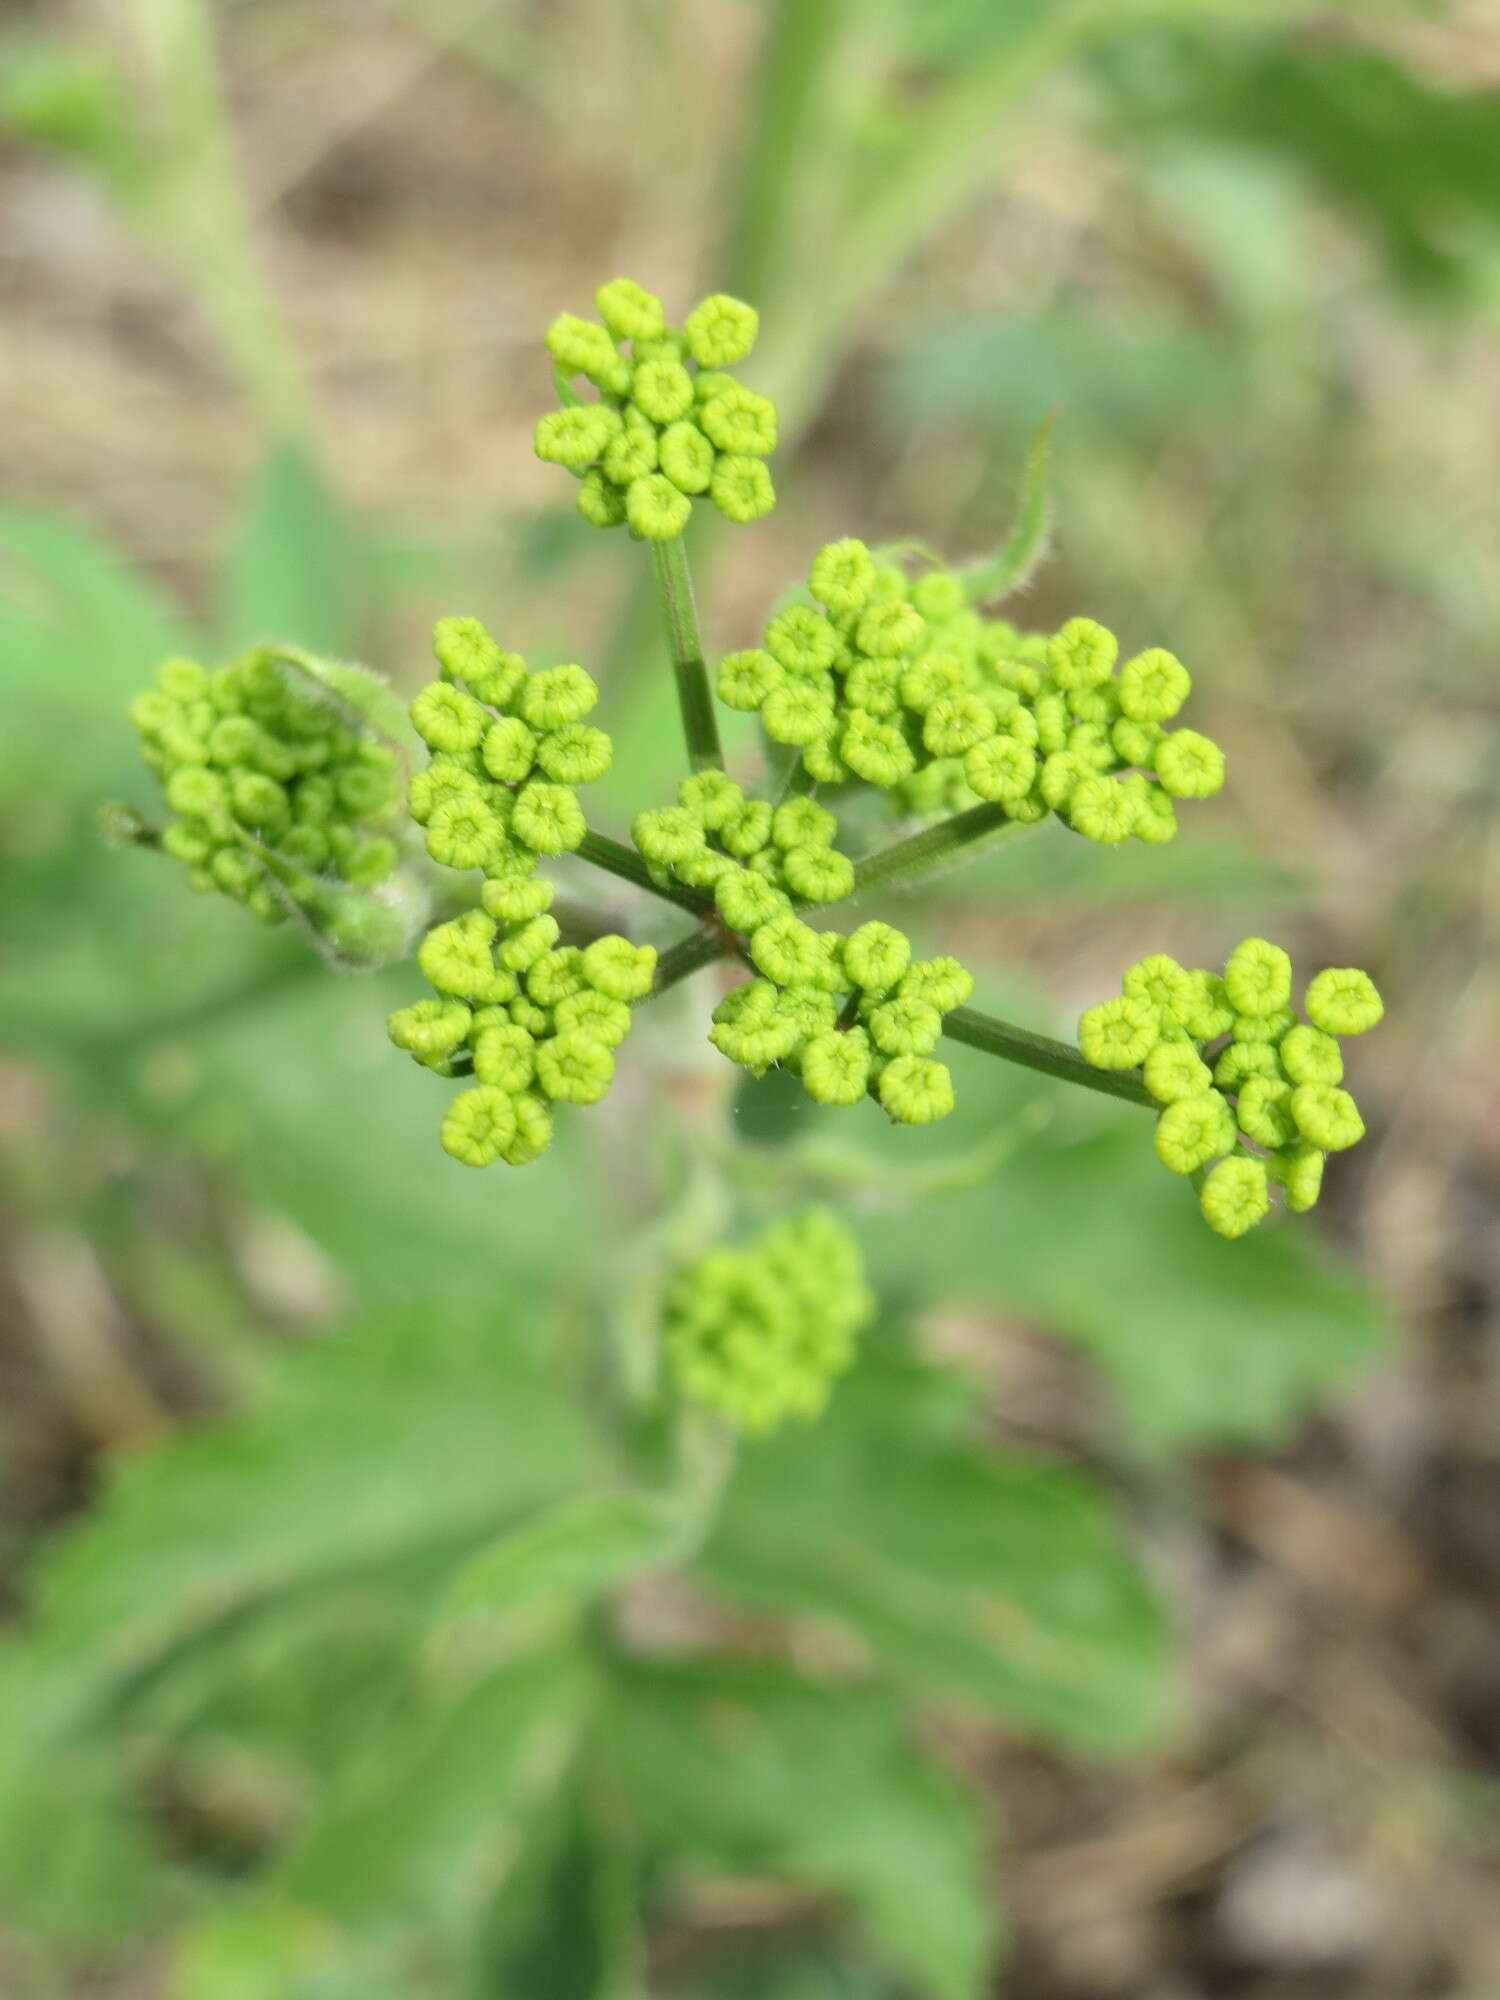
x: 1041, y: 1052
x: 674, y: 585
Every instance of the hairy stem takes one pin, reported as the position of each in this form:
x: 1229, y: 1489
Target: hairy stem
x: 1041, y: 1052
x: 935, y: 848
x: 674, y: 585
x: 617, y: 859
x: 689, y: 955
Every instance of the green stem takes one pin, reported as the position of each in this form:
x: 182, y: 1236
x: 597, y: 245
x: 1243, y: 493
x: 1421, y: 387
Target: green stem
x: 689, y: 955
x: 1041, y: 1052
x: 194, y: 201
x: 782, y: 157
x: 617, y: 859
x: 799, y: 782
x: 674, y: 586
x: 935, y: 848
x: 782, y: 119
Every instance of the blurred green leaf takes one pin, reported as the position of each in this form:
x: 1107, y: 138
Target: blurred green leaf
x: 1216, y: 868
x: 270, y: 1949
x: 265, y: 1951
x: 1199, y: 1339
x: 1109, y: 371
x: 1416, y: 163
x: 293, y: 573
x: 304, y: 1098
x: 585, y: 1546
x: 80, y: 632
x: 404, y: 1438
x: 740, y: 1766
x: 987, y: 1575
x: 400, y: 1433
x: 425, y: 1827
x: 567, y: 1923
x: 69, y: 98
x: 91, y: 1877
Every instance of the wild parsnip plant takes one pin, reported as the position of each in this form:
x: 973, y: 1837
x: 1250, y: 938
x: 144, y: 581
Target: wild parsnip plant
x: 435, y: 1529
x: 876, y: 674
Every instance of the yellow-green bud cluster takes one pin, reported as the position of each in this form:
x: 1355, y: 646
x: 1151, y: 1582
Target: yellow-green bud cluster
x: 853, y: 1016
x: 902, y: 684
x: 509, y: 749
x: 762, y: 1333
x: 534, y: 1021
x: 755, y: 859
x: 280, y: 793
x: 670, y: 424
x: 1251, y: 1094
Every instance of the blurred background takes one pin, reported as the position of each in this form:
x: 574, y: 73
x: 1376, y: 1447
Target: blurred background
x: 273, y: 276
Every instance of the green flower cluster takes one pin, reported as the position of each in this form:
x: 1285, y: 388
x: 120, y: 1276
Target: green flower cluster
x: 279, y: 789
x: 755, y: 859
x: 762, y: 1333
x: 670, y: 423
x: 850, y: 1015
x: 1251, y: 1094
x: 509, y: 749
x: 534, y: 1021
x: 903, y: 684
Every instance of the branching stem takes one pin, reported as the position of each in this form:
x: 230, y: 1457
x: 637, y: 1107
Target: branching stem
x: 689, y: 955
x: 934, y: 848
x: 1041, y: 1052
x: 617, y: 859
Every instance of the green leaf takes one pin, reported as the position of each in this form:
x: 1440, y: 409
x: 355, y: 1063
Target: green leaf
x: 568, y: 1922
x: 739, y: 1766
x: 402, y: 1433
x: 585, y: 1546
x: 1115, y: 374
x: 80, y: 632
x: 1416, y: 163
x: 1200, y: 1340
x: 92, y: 1878
x: 266, y: 1948
x: 305, y: 1097
x: 1014, y: 563
x: 72, y: 100
x: 427, y: 1825
x: 293, y: 573
x: 396, y: 1442
x: 992, y: 1576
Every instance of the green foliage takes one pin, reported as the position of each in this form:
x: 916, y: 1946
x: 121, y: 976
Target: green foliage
x: 1198, y: 1340
x: 999, y: 1580
x: 1415, y: 162
x: 376, y: 1641
x: 744, y: 1767
x: 295, y: 568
